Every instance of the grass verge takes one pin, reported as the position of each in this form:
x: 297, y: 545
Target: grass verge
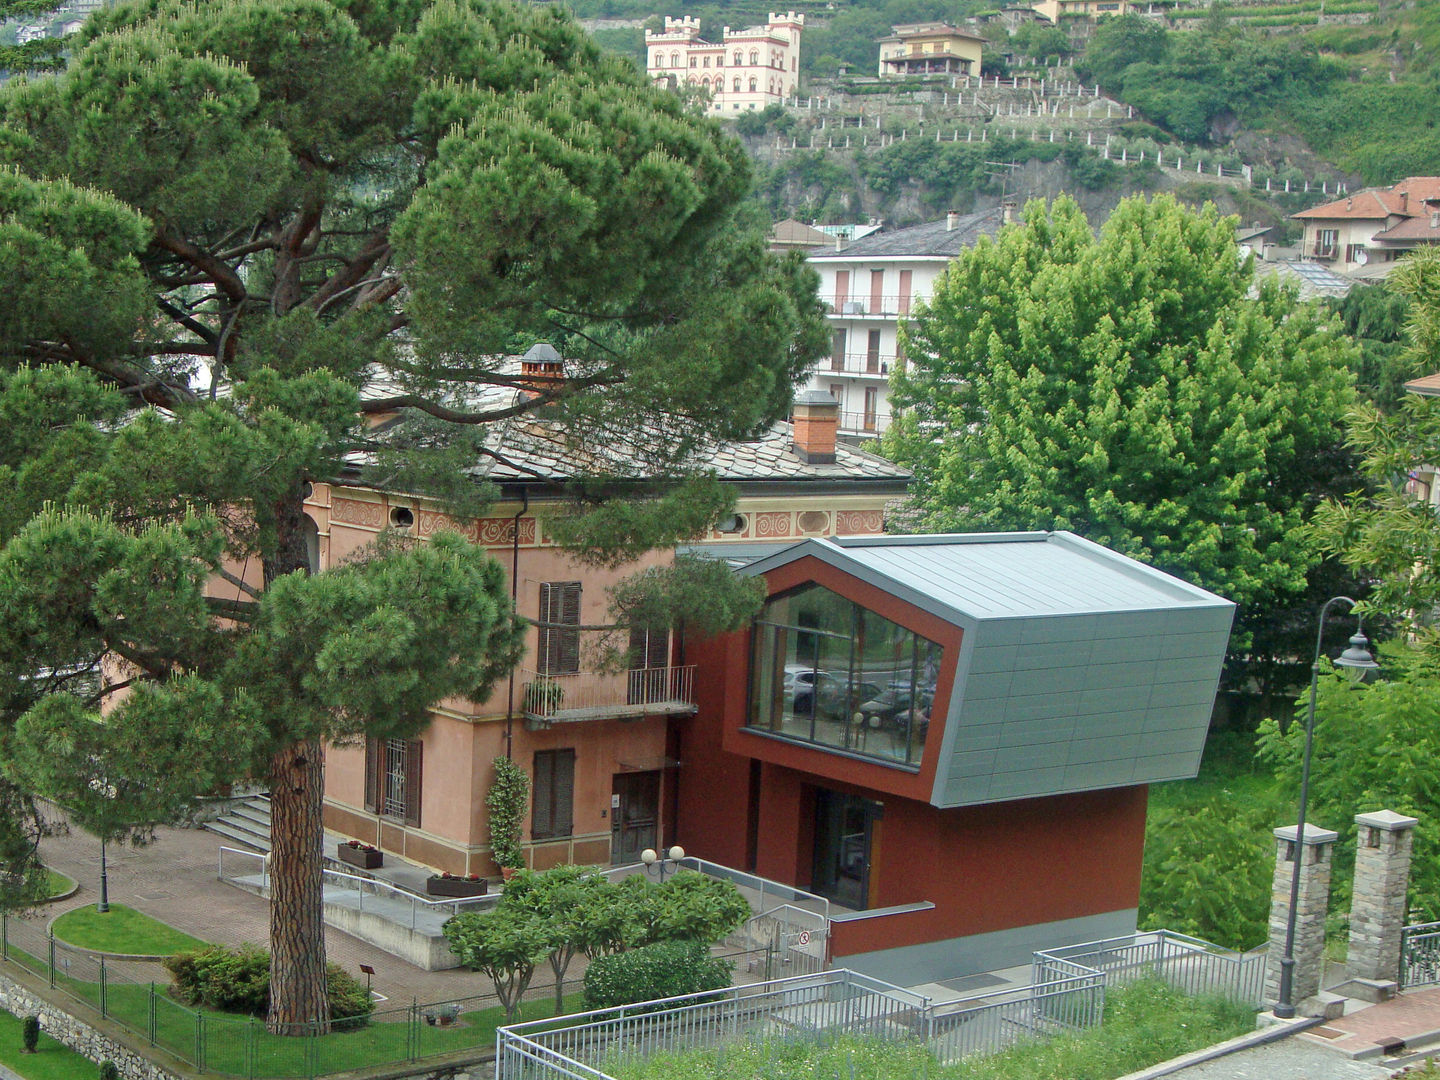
x: 51, y: 1061
x: 121, y: 930
x: 1145, y: 1023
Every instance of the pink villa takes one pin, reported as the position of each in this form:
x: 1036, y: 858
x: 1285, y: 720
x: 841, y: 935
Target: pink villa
x: 599, y: 747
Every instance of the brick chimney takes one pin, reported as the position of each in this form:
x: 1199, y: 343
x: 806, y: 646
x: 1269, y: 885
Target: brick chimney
x: 541, y: 370
x: 1404, y: 202
x: 952, y: 220
x: 1007, y: 211
x: 815, y: 420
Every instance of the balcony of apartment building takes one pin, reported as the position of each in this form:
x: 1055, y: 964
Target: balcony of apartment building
x: 592, y: 675
x: 870, y: 422
x: 874, y: 360
x: 875, y: 306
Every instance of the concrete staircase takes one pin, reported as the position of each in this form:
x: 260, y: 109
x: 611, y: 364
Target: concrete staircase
x: 247, y: 823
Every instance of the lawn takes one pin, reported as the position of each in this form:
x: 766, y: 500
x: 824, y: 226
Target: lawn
x: 57, y: 884
x: 1145, y: 1023
x: 51, y: 1061
x: 121, y: 930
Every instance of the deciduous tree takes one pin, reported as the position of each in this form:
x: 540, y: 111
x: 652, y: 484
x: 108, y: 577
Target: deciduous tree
x: 1126, y: 388
x: 232, y: 236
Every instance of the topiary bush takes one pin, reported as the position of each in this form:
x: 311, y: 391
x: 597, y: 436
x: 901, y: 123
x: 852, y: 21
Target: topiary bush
x: 664, y: 970
x: 29, y: 1034
x: 109, y: 1071
x: 238, y: 980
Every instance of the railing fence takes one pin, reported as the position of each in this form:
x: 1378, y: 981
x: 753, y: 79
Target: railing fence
x: 1189, y: 964
x: 1420, y: 955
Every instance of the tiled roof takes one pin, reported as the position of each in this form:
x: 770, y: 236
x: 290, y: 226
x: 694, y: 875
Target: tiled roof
x: 531, y: 449
x: 792, y: 233
x: 1425, y: 386
x: 934, y: 238
x: 1379, y: 203
x: 1421, y: 229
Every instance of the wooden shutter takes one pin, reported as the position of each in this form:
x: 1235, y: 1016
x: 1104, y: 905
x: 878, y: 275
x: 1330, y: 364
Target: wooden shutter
x: 564, y: 771
x: 541, y: 820
x: 374, y: 784
x: 553, y: 811
x: 414, y: 755
x: 559, y: 648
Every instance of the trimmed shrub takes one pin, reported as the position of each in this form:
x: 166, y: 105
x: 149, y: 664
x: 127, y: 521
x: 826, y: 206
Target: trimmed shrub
x: 29, y: 1034
x: 664, y: 970
x: 238, y: 980
x: 109, y: 1071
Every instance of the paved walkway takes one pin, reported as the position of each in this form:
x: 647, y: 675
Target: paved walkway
x: 174, y: 880
x: 1290, y: 1059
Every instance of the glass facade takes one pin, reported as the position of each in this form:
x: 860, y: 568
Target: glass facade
x: 825, y: 670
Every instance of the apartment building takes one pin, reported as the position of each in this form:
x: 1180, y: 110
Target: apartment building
x: 747, y: 69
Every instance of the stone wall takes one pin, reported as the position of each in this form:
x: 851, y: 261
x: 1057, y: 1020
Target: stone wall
x: 77, y: 1034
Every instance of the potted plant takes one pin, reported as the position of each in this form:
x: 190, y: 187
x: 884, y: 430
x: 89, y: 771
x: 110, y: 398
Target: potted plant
x: 543, y: 697
x: 444, y: 1015
x: 365, y: 856
x: 506, y: 800
x: 453, y: 885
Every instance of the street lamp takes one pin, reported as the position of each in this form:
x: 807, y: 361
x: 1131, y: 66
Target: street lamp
x: 668, y: 864
x: 1358, y: 661
x: 106, y: 791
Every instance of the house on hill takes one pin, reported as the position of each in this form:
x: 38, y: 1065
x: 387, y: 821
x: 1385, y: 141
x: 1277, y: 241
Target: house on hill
x: 1376, y: 225
x: 870, y: 285
x: 745, y: 70
x: 929, y: 48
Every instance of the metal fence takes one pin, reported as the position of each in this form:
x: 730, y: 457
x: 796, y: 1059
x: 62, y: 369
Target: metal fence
x: 1420, y: 955
x: 991, y: 1022
x: 593, y: 1044
x: 1189, y: 964
x: 241, y: 1046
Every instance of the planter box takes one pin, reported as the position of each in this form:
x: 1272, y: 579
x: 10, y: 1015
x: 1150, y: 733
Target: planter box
x: 454, y: 887
x: 365, y: 860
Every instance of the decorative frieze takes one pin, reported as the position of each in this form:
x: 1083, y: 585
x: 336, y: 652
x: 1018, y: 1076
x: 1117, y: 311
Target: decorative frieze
x: 856, y: 522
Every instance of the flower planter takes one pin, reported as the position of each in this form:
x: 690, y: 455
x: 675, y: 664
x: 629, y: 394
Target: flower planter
x: 360, y: 857
x: 454, y: 887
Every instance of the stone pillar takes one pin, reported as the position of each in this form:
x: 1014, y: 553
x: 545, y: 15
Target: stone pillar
x: 1314, y: 901
x: 1377, y: 914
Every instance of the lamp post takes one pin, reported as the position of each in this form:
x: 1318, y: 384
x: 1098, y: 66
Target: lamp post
x: 106, y: 791
x: 669, y: 863
x: 1357, y: 660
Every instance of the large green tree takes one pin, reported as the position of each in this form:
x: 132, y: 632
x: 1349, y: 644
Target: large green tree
x: 233, y: 236
x: 1126, y: 388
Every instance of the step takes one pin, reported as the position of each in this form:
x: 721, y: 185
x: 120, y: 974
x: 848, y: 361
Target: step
x: 260, y: 816
x: 258, y: 841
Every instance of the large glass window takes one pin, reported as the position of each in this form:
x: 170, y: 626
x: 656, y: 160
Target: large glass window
x: 826, y: 670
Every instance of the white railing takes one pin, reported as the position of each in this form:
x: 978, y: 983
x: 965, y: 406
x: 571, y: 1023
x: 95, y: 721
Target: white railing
x: 857, y: 363
x: 863, y: 423
x: 386, y: 900
x: 591, y: 695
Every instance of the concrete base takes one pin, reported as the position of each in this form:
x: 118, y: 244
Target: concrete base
x: 1325, y: 1005
x: 1372, y: 990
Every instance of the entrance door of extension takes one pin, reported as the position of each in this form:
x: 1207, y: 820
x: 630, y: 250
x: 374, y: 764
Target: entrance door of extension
x: 844, y: 830
x: 634, y: 815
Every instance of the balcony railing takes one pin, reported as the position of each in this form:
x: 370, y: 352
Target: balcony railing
x: 858, y: 363
x: 873, y: 306
x: 1324, y: 250
x: 863, y: 423
x: 594, y: 695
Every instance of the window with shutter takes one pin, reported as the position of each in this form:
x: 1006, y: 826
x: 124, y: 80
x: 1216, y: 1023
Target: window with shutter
x: 413, y: 751
x: 559, y: 652
x: 373, y: 762
x: 553, y: 813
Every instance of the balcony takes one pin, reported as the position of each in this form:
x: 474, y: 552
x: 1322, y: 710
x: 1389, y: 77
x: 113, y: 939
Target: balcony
x: 875, y: 363
x: 863, y: 423
x: 593, y: 695
x: 1323, y: 250
x: 873, y: 307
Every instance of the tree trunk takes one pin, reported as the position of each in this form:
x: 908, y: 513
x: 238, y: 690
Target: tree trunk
x: 298, y: 1003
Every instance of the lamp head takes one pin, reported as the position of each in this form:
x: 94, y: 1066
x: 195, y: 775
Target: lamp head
x: 1357, y: 660
x: 676, y: 853
x: 648, y: 856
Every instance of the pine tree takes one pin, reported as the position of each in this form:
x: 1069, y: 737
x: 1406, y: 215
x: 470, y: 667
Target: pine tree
x: 234, y: 234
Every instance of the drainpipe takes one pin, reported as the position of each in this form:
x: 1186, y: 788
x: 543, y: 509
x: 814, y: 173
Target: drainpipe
x: 514, y: 587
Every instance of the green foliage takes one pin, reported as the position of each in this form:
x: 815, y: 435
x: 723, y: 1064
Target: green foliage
x: 505, y: 805
x: 29, y: 1034
x: 1374, y: 315
x: 686, y: 906
x: 109, y: 1071
x: 505, y: 944
x: 664, y: 969
x: 1125, y: 388
x: 579, y: 909
x: 237, y: 979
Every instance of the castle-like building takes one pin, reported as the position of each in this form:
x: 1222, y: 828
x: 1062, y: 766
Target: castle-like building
x: 747, y: 69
